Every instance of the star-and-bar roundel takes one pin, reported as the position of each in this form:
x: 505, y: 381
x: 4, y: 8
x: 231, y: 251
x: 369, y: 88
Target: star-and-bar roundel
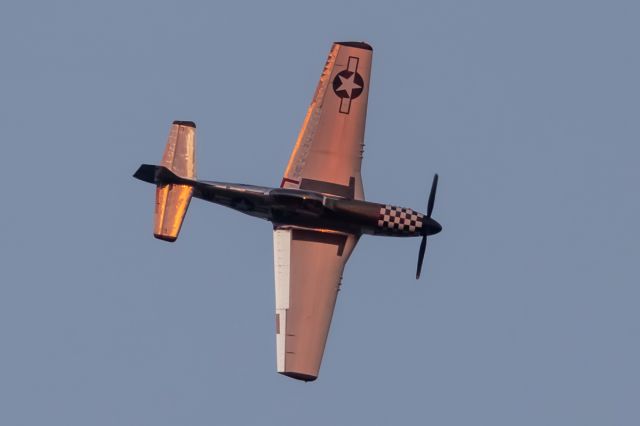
x: 348, y: 84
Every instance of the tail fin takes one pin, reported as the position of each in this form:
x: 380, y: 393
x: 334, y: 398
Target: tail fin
x: 173, y: 179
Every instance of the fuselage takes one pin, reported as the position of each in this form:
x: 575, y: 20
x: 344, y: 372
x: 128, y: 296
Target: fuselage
x: 316, y: 210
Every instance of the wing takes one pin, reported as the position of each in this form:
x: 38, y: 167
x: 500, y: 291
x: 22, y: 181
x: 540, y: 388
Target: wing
x: 328, y: 153
x: 308, y: 270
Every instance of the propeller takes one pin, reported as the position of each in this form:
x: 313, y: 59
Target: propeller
x: 423, y: 243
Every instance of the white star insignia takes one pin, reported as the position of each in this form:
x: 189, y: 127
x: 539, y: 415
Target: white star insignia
x: 348, y: 84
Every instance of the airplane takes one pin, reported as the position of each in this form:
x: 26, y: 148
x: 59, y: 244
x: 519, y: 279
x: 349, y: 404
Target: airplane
x: 318, y: 213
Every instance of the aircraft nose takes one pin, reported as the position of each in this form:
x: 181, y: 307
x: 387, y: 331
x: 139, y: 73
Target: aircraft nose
x: 433, y: 226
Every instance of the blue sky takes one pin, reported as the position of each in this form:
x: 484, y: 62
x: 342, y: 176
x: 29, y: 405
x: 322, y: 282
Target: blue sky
x: 527, y: 310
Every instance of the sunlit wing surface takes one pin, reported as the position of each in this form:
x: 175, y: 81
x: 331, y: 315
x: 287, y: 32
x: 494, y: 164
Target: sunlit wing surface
x: 308, y: 270
x: 328, y: 153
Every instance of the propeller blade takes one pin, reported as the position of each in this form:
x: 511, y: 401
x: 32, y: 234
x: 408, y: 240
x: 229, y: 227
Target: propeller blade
x: 432, y: 195
x: 423, y: 248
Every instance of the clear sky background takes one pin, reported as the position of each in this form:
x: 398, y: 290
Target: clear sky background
x: 527, y: 312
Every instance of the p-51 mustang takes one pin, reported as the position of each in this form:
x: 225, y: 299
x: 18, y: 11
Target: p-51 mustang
x: 318, y: 212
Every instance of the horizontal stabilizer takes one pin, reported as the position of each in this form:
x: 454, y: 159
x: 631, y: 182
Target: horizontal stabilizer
x: 172, y: 202
x: 174, y: 179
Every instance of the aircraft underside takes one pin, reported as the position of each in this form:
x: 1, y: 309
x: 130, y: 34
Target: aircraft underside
x: 314, y: 210
x: 318, y: 212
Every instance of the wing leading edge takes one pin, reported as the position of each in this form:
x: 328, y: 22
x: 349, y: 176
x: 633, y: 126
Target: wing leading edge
x: 308, y: 269
x: 327, y: 156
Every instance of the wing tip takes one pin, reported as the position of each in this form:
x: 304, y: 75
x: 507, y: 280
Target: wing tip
x: 298, y: 376
x: 356, y: 44
x: 185, y: 123
x: 168, y: 238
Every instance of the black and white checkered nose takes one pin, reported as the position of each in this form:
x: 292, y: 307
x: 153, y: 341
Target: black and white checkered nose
x: 400, y: 220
